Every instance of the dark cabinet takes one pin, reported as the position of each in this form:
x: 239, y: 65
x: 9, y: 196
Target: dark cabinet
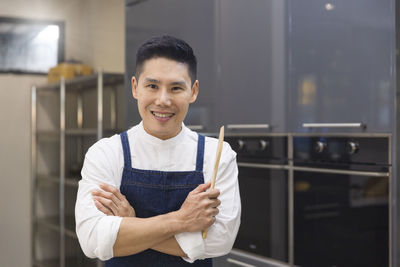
x: 241, y: 54
x: 250, y: 55
x: 341, y: 64
x: 193, y: 21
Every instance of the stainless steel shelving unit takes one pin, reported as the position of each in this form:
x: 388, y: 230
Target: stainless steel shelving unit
x: 60, y: 137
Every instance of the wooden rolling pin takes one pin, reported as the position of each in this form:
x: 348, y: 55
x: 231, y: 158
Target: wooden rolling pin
x: 219, y: 150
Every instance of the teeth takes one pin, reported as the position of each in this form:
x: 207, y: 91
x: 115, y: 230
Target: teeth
x: 162, y: 115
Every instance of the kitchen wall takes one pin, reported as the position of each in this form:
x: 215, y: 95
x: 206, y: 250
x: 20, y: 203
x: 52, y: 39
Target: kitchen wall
x: 94, y: 34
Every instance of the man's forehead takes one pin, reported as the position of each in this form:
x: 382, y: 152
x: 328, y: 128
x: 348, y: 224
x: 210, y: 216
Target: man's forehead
x: 160, y: 67
x: 151, y: 62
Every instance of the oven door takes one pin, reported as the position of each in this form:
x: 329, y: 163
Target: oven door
x: 341, y: 219
x: 264, y: 221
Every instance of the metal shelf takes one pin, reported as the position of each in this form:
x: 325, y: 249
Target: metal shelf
x: 73, y: 182
x: 83, y: 262
x: 56, y: 140
x: 48, y: 178
x: 84, y: 82
x: 53, y: 223
x: 69, y: 181
x: 55, y: 134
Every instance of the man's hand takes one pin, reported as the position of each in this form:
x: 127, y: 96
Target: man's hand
x: 199, y: 209
x: 111, y: 202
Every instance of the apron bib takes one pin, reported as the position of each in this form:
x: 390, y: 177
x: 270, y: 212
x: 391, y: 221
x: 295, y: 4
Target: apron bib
x: 152, y: 193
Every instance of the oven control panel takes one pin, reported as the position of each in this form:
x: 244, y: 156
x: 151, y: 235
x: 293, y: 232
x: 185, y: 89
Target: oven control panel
x: 341, y: 150
x: 260, y: 149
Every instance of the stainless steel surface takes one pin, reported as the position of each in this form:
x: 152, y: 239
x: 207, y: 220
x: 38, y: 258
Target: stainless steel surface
x: 328, y: 134
x: 113, y: 108
x: 256, y: 258
x: 57, y: 137
x: 62, y: 172
x: 195, y: 127
x: 392, y: 208
x: 247, y: 126
x: 84, y: 82
x: 291, y: 203
x: 239, y: 263
x: 263, y: 145
x: 79, y: 120
x: 334, y: 125
x: 353, y: 147
x: 263, y: 166
x: 240, y: 144
x: 33, y: 169
x: 390, y: 218
x: 99, y: 104
x: 344, y: 172
x: 79, y: 111
x: 319, y: 146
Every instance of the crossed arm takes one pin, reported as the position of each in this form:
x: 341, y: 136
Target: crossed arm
x: 137, y: 234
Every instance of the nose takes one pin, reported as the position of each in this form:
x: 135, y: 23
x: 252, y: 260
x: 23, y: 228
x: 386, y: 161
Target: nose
x: 163, y: 98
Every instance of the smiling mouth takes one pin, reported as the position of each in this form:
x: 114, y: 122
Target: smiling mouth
x: 162, y: 115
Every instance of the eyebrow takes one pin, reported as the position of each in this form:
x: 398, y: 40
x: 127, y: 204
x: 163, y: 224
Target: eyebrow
x: 181, y: 83
x: 151, y: 80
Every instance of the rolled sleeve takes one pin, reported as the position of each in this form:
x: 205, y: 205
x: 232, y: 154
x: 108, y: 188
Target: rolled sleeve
x: 96, y: 231
x: 106, y: 235
x: 192, y: 244
x: 222, y: 234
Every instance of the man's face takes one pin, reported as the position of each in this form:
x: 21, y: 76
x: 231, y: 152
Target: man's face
x: 164, y: 92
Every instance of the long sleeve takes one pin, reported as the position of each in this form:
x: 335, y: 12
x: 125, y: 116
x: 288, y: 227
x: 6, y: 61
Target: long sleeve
x: 96, y: 231
x: 104, y: 164
x: 221, y: 235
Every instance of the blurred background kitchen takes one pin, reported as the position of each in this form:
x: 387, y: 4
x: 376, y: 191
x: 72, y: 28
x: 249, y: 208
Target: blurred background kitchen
x: 307, y: 90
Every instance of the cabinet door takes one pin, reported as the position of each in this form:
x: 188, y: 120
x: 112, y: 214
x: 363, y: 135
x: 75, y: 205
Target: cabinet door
x: 251, y: 63
x: 342, y: 57
x: 193, y: 21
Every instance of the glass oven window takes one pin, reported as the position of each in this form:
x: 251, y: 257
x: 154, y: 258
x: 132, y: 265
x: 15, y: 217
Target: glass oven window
x: 340, y: 220
x: 264, y: 220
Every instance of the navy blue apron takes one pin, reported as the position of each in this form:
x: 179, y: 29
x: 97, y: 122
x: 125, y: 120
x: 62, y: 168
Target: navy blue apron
x: 153, y: 193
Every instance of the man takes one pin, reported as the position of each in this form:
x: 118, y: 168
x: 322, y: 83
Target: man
x: 162, y: 170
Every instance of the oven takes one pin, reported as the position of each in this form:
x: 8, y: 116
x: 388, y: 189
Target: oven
x: 263, y: 182
x: 341, y: 209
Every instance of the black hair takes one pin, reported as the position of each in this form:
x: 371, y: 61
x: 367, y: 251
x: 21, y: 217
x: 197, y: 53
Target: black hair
x: 168, y: 47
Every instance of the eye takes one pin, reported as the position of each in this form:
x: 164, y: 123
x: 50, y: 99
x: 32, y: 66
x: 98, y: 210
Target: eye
x: 177, y: 88
x: 152, y: 86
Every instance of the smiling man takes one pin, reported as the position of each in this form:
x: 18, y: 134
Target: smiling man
x: 143, y: 198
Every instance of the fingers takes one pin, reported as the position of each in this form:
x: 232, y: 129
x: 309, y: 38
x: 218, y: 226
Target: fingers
x: 213, y: 193
x: 107, y: 203
x: 107, y: 194
x: 201, y: 188
x: 111, y: 189
x: 110, y: 198
x: 102, y: 208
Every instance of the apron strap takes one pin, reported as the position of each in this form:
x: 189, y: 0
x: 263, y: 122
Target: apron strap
x: 126, y: 149
x: 200, y: 153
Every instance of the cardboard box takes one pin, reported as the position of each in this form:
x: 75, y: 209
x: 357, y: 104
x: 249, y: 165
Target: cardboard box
x: 68, y: 71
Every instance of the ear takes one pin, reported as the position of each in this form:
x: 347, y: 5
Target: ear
x: 195, y: 92
x: 134, y: 87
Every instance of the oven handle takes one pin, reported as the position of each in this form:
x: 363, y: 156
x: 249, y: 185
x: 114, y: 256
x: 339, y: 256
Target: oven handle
x: 239, y: 263
x: 309, y: 169
x: 335, y: 171
x: 248, y: 126
x: 196, y: 127
x: 334, y: 125
x: 262, y: 166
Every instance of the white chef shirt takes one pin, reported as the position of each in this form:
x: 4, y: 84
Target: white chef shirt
x: 104, y: 163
